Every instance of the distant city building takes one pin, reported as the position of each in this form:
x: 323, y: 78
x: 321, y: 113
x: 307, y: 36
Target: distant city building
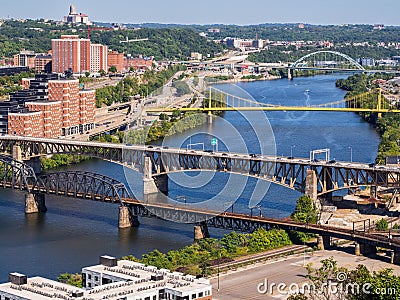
x: 214, y: 30
x: 244, y: 44
x: 196, y: 56
x: 98, y: 57
x: 71, y: 53
x: 367, y: 62
x: 115, y: 59
x: 139, y: 63
x: 25, y: 59
x: 76, y: 18
x: 301, y: 26
x: 9, y: 71
x: 379, y: 26
x: 112, y: 279
x: 43, y: 63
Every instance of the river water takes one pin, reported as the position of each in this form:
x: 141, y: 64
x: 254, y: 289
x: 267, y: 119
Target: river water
x: 74, y: 233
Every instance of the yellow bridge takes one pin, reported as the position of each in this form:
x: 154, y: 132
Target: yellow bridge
x: 373, y: 101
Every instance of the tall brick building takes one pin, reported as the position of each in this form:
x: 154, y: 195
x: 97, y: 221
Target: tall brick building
x: 78, y: 55
x: 71, y: 53
x: 66, y: 110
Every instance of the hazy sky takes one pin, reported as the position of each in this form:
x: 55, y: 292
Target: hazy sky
x: 213, y: 11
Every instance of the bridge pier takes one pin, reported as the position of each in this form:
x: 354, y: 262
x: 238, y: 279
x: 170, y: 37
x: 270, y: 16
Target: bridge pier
x: 290, y: 74
x: 209, y: 118
x: 126, y: 219
x: 201, y: 231
x: 323, y: 242
x: 373, y: 191
x: 311, y: 187
x: 395, y: 258
x: 16, y: 152
x: 149, y: 185
x: 35, y: 203
x: 364, y: 249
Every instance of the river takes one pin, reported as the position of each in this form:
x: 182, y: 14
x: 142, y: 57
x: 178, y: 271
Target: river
x: 74, y: 233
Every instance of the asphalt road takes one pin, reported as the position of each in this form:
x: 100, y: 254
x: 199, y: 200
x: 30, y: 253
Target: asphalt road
x: 243, y: 284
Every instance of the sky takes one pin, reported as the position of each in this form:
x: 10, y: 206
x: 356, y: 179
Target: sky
x: 212, y: 11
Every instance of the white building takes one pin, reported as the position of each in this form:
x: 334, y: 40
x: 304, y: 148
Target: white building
x: 76, y: 18
x: 112, y: 280
x: 98, y: 57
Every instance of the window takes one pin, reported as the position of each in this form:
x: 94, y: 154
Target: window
x: 96, y: 278
x: 193, y: 296
x: 89, y: 276
x: 200, y: 294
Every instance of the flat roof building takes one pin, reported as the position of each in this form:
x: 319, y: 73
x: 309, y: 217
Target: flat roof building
x: 113, y: 280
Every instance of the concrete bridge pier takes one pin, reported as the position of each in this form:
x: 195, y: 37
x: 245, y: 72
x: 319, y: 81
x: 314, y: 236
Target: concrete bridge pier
x: 209, y: 118
x: 35, y: 203
x: 149, y: 185
x: 364, y: 249
x: 126, y: 219
x: 373, y: 191
x: 16, y: 152
x: 290, y: 74
x: 312, y: 188
x: 395, y: 258
x: 323, y: 242
x: 201, y: 231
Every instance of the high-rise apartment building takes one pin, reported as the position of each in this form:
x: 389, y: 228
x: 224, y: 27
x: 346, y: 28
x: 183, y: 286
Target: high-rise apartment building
x: 98, y: 57
x: 71, y: 53
x: 49, y: 107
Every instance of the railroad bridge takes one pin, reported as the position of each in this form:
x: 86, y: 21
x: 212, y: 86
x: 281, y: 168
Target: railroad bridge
x: 311, y: 177
x: 95, y: 187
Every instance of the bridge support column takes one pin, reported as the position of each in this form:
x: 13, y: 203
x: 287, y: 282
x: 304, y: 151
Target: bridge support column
x: 323, y: 242
x: 357, y: 249
x: 35, y: 203
x: 373, y: 191
x: 209, y: 118
x: 126, y: 218
x: 149, y: 185
x: 364, y: 249
x: 16, y: 152
x: 201, y: 231
x: 311, y: 187
x: 395, y: 258
x: 290, y: 74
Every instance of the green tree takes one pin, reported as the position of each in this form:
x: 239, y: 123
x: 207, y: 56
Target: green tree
x: 305, y: 211
x: 113, y: 69
x: 102, y: 73
x: 71, y: 279
x: 87, y: 74
x: 382, y: 225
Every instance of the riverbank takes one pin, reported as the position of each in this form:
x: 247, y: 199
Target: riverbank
x: 387, y: 125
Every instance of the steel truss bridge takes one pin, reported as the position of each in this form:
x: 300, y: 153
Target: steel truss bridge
x: 77, y: 184
x: 218, y: 100
x: 86, y: 185
x: 289, y: 172
x: 373, y: 101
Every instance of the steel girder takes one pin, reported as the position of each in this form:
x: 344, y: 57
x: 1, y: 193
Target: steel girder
x: 15, y: 174
x: 84, y: 185
x: 286, y: 172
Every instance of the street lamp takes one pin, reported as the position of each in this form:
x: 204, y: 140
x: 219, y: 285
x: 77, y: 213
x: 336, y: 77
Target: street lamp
x: 351, y: 154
